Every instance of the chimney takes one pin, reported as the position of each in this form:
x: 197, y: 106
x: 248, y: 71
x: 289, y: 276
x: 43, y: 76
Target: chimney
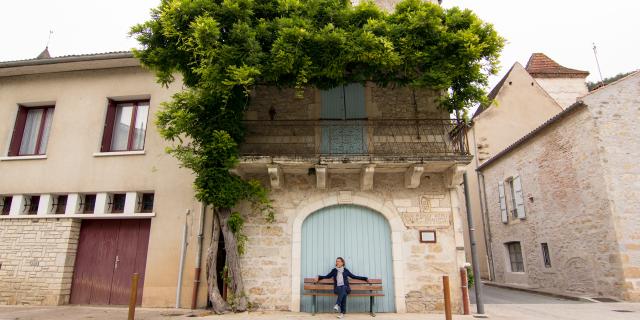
x: 563, y: 84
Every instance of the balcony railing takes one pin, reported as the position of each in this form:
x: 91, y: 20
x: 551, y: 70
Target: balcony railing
x: 356, y: 139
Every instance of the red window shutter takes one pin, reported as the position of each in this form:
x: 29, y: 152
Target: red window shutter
x: 108, y: 127
x: 18, y: 130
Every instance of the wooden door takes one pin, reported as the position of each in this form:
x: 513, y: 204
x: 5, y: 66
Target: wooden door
x: 109, y: 252
x: 363, y: 238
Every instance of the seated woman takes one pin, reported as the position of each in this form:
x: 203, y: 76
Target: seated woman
x: 341, y: 276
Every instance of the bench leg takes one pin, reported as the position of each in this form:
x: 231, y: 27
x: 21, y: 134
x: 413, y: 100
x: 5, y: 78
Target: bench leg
x: 372, y: 304
x: 314, y: 308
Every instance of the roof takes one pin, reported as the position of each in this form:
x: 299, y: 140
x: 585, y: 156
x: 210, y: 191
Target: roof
x: 69, y: 58
x: 541, y: 66
x: 533, y: 133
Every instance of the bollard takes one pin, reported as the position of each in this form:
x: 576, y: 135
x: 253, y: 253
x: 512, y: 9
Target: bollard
x: 133, y: 297
x: 465, y: 290
x: 447, y: 297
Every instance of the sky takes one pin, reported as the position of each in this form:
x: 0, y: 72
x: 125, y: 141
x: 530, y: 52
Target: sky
x: 565, y: 30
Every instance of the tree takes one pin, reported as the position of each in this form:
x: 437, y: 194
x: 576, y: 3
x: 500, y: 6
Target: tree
x: 597, y: 84
x: 223, y: 48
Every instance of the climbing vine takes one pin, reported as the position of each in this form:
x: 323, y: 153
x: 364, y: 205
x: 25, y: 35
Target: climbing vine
x: 221, y: 49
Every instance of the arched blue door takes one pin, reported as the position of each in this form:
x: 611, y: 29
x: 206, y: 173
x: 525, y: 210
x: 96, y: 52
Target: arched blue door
x: 363, y: 238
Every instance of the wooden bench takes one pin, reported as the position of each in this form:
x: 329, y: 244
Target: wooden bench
x: 359, y: 288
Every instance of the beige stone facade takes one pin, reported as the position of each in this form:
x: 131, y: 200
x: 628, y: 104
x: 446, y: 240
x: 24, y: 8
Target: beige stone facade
x: 576, y: 173
x: 408, y: 174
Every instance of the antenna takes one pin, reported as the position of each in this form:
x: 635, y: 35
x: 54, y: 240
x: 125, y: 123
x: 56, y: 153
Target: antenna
x: 49, y: 39
x: 595, y: 53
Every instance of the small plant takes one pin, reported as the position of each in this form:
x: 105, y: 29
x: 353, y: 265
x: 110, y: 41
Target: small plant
x: 470, y: 278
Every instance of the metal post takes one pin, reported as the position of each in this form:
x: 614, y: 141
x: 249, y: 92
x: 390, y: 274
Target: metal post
x: 474, y: 253
x: 134, y: 296
x: 465, y: 290
x: 447, y: 297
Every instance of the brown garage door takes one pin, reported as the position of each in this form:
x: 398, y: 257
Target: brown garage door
x: 109, y: 252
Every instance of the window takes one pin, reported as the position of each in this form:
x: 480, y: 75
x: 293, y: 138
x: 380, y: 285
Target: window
x: 125, y: 126
x: 512, y: 194
x: 117, y: 205
x: 146, y: 204
x: 60, y: 204
x: 545, y: 255
x: 89, y: 203
x: 6, y: 205
x: 515, y: 256
x: 31, y: 131
x: 33, y: 203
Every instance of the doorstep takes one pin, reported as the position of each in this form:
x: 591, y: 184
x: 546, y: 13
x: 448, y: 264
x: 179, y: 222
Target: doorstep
x: 537, y: 291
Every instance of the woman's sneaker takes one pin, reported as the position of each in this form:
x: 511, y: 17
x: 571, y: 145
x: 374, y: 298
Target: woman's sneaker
x: 340, y: 316
x: 336, y: 308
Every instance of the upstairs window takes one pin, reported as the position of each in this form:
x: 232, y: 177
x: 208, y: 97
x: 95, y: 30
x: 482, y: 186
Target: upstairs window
x: 33, y: 203
x: 146, y: 203
x: 31, y: 131
x: 118, y: 203
x: 88, y: 204
x: 125, y: 126
x: 60, y: 204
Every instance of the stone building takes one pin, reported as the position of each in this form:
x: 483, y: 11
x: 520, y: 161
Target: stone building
x: 89, y: 196
x: 519, y: 103
x: 563, y: 200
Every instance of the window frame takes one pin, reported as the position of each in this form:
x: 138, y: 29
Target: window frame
x: 19, y: 126
x: 123, y: 197
x: 142, y: 202
x: 6, y: 209
x: 61, y: 209
x: 546, y: 255
x: 34, y: 204
x: 512, y: 199
x: 516, y: 263
x: 110, y: 120
x: 84, y: 203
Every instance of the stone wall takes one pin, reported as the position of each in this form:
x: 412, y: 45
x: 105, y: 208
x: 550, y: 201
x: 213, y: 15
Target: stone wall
x: 566, y: 206
x: 37, y: 258
x: 616, y: 110
x: 269, y: 265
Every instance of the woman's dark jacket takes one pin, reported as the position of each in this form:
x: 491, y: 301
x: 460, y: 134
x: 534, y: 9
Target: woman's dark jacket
x: 345, y: 275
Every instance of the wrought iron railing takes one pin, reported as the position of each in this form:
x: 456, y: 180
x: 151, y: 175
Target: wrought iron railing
x: 399, y: 138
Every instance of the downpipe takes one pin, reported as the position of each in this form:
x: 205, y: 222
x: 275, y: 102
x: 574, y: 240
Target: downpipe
x: 197, y: 269
x: 183, y: 252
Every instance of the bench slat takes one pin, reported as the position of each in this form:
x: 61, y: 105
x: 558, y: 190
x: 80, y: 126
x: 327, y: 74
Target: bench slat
x: 351, y: 281
x: 353, y: 288
x: 351, y: 295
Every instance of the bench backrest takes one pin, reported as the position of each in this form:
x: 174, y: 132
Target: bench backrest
x: 355, y: 285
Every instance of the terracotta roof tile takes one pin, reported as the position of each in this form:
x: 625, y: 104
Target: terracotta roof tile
x: 541, y: 66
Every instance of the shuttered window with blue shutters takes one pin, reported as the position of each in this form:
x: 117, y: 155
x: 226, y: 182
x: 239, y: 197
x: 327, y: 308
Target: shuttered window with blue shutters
x: 343, y: 113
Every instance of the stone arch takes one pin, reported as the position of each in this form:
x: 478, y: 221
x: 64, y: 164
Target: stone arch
x: 313, y: 204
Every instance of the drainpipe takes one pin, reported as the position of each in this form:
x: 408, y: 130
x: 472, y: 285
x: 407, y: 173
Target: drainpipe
x: 183, y: 251
x: 196, y: 275
x: 487, y: 224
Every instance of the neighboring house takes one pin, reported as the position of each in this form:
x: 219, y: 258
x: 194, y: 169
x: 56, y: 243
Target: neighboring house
x: 563, y: 200
x: 519, y: 103
x: 562, y: 83
x: 89, y: 195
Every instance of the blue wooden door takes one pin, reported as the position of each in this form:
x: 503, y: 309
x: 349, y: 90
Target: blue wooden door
x: 343, y: 111
x: 363, y: 238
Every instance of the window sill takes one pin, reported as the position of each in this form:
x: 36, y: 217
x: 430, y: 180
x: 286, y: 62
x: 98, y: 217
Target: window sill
x: 12, y: 158
x: 119, y: 153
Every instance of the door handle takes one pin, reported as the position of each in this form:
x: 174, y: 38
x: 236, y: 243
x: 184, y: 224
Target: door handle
x: 117, y: 260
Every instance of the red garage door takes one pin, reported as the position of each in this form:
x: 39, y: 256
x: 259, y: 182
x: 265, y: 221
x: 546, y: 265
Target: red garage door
x: 109, y: 252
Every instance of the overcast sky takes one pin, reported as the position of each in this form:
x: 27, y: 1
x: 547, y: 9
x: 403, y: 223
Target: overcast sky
x: 563, y: 29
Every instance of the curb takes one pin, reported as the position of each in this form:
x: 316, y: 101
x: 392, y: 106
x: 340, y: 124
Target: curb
x: 541, y: 292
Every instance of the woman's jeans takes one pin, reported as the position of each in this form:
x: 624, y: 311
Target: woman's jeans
x: 342, y: 298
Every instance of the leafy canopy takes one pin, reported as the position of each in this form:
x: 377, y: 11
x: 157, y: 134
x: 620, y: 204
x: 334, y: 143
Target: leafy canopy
x: 222, y: 48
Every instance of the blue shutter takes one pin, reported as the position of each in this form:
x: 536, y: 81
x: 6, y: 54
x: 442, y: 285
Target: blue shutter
x: 354, y: 101
x: 359, y: 235
x: 332, y: 103
x: 339, y: 137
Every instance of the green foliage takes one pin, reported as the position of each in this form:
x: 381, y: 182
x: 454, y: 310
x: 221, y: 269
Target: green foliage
x: 470, y: 278
x: 222, y: 48
x: 236, y: 222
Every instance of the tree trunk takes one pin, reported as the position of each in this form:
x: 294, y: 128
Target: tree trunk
x: 219, y: 305
x: 239, y: 303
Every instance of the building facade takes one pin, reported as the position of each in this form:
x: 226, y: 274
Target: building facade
x: 90, y: 197
x: 519, y: 103
x: 563, y: 200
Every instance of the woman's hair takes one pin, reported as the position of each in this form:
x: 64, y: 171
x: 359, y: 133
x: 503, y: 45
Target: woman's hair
x: 341, y: 259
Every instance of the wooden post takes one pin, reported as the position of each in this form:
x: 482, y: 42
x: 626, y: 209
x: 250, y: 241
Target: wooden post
x: 465, y: 290
x: 447, y: 297
x: 133, y: 297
